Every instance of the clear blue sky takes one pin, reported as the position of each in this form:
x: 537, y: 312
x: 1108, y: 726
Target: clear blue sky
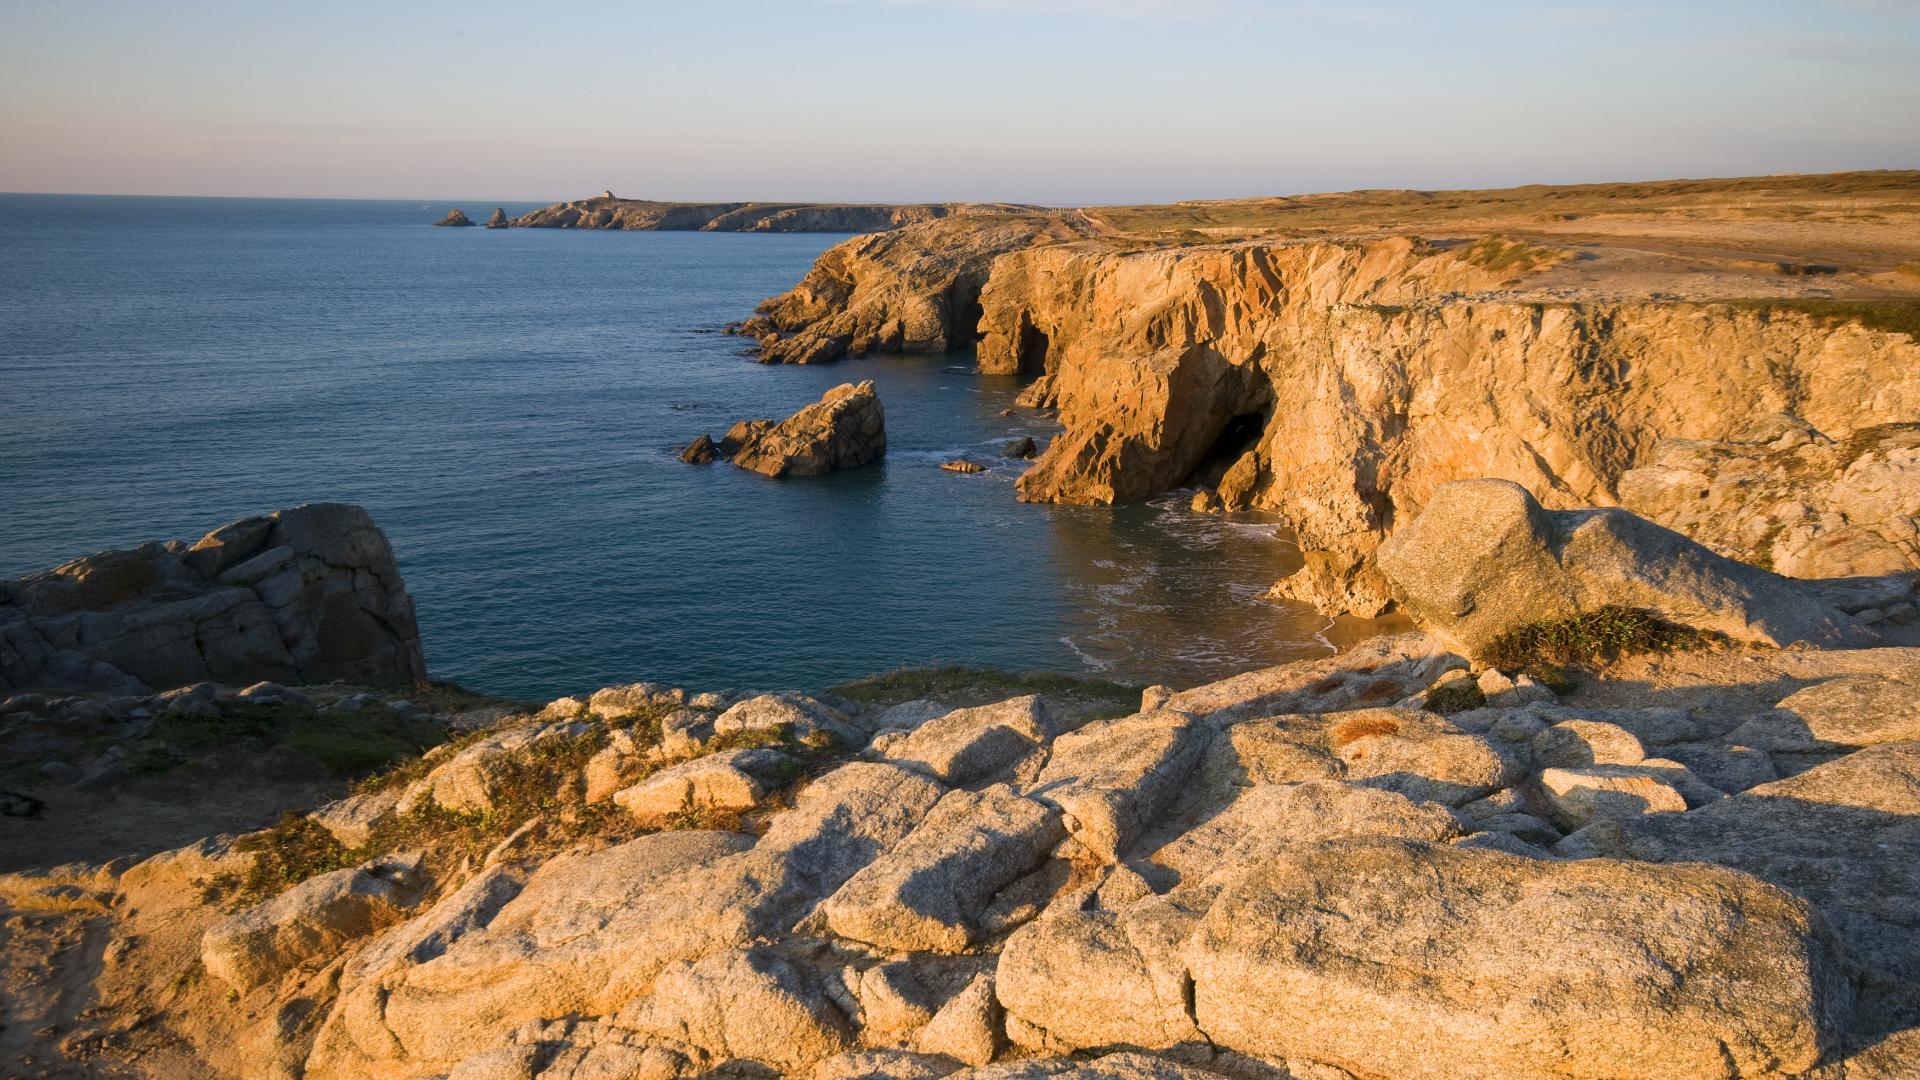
x: 1056, y: 101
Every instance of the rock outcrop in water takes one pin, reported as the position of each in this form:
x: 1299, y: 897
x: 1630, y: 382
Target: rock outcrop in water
x: 845, y: 429
x: 310, y: 594
x: 499, y: 218
x: 456, y: 217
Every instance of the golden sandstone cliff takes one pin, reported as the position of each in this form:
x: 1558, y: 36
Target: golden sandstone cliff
x: 1334, y: 360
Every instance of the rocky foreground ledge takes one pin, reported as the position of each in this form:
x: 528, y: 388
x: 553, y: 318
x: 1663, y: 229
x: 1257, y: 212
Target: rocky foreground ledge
x: 1434, y: 856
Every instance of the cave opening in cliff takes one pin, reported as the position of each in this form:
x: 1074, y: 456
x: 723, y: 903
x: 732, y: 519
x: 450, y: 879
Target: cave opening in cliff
x: 1241, y: 434
x: 1033, y: 348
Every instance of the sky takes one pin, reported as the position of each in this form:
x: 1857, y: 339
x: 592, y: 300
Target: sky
x: 1063, y: 102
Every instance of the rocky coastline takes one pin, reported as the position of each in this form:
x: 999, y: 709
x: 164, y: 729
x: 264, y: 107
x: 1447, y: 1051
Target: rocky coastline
x: 1434, y: 855
x: 1637, y: 798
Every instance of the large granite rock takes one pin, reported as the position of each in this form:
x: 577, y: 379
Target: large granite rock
x: 1484, y: 558
x: 1405, y: 959
x: 310, y: 594
x: 845, y: 429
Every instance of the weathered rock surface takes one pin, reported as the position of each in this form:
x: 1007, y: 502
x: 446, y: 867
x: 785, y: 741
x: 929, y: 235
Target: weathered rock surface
x: 1785, y: 496
x: 845, y: 429
x: 1484, y: 558
x: 926, y: 894
x: 310, y: 921
x: 306, y: 595
x: 499, y: 218
x: 455, y: 217
x: 1322, y: 952
x: 723, y: 783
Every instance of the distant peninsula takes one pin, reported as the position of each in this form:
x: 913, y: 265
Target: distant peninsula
x: 608, y: 211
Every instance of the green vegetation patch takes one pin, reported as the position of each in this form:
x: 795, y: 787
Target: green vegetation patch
x: 539, y: 785
x: 969, y: 685
x: 1459, y: 695
x: 1499, y: 255
x: 1547, y: 650
x: 1892, y: 315
x: 344, y: 743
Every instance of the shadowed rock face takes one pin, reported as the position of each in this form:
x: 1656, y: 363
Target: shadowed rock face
x: 310, y: 594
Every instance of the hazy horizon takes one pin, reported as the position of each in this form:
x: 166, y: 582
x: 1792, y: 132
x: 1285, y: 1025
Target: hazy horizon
x: 1055, y: 102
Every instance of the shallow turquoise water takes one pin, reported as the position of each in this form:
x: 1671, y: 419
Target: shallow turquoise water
x: 507, y: 403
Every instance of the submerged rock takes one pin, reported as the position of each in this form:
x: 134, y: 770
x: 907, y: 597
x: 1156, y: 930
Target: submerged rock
x: 845, y: 429
x: 962, y: 465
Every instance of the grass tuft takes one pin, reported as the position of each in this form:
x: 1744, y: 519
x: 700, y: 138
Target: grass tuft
x: 1891, y: 315
x: 1546, y: 650
x: 1497, y: 254
x: 1459, y: 695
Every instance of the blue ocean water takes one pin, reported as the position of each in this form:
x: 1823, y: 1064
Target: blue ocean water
x: 507, y: 404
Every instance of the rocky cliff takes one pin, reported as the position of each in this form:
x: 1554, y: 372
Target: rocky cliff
x: 1556, y: 337
x: 1340, y: 384
x: 911, y: 290
x: 310, y: 594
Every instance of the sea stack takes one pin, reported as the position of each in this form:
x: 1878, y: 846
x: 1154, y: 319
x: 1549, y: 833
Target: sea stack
x: 498, y: 220
x: 845, y: 429
x: 455, y: 216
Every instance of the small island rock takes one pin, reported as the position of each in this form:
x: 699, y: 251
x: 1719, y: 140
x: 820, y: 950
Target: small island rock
x: 845, y: 429
x: 499, y: 218
x: 962, y: 465
x: 700, y: 451
x: 455, y: 216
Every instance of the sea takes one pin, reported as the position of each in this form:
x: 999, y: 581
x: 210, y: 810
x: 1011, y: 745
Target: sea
x: 508, y: 405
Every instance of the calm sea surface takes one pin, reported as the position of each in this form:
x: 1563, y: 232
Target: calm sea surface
x: 507, y: 404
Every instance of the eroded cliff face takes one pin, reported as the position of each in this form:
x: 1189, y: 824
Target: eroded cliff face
x: 913, y: 290
x: 1339, y: 384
